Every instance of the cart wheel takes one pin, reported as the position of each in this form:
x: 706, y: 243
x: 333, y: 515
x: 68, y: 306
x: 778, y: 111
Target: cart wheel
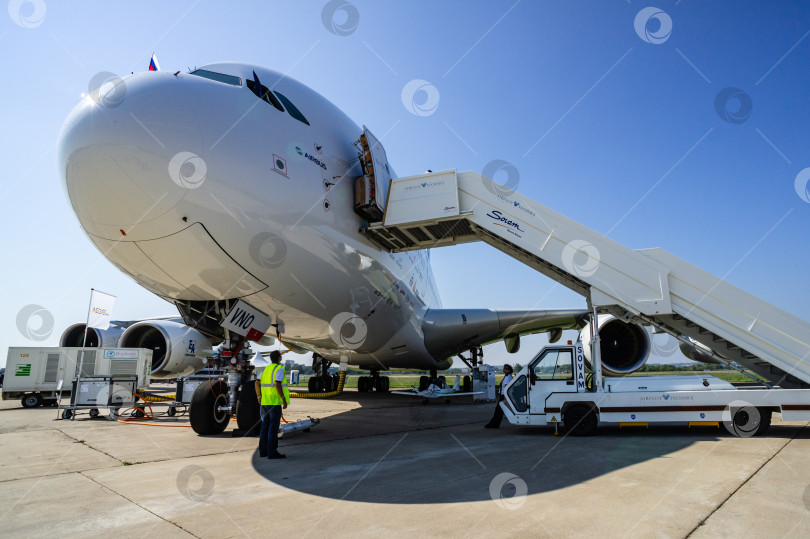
x: 94, y: 413
x: 67, y: 414
x: 138, y: 413
x: 172, y: 411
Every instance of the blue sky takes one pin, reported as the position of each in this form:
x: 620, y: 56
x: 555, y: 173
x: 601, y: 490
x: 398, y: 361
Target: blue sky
x: 615, y: 128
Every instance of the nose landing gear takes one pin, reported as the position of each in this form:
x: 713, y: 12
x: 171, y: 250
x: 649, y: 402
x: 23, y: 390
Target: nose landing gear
x: 229, y: 391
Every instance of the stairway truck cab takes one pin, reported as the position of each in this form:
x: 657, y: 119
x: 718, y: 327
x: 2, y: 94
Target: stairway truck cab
x: 559, y: 388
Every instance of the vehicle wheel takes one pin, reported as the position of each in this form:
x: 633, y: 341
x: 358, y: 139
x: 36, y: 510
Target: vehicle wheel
x: 387, y: 383
x: 748, y: 421
x: 138, y: 412
x: 172, y: 411
x: 328, y: 384
x: 31, y: 400
x: 424, y: 382
x: 580, y: 420
x: 67, y: 414
x: 467, y: 384
x: 311, y: 384
x: 204, y: 415
x: 765, y: 422
x: 94, y: 413
x: 248, y: 418
x: 319, y: 385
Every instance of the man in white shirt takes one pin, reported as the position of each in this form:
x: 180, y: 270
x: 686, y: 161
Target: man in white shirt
x: 497, y: 417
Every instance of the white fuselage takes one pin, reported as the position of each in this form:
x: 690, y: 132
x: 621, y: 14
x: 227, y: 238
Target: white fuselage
x: 201, y: 191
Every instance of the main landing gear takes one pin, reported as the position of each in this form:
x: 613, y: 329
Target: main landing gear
x: 375, y: 382
x: 323, y: 381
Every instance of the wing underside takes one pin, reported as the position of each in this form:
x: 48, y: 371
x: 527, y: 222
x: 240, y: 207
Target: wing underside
x: 452, y: 331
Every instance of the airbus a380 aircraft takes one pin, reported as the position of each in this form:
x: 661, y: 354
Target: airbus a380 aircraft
x: 234, y: 182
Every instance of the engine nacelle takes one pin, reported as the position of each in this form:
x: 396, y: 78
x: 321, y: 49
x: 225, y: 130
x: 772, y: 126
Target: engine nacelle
x: 96, y: 338
x: 177, y: 350
x: 624, y: 347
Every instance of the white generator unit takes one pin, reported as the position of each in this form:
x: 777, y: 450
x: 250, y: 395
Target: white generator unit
x: 104, y: 391
x: 187, y: 385
x: 483, y: 379
x: 35, y: 374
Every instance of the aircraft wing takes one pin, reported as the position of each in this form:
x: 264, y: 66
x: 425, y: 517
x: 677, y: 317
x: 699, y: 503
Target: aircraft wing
x: 451, y: 331
x: 409, y: 393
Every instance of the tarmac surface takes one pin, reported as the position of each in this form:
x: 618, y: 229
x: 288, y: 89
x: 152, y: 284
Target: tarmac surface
x: 386, y: 465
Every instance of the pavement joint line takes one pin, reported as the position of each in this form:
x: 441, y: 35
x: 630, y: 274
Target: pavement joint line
x: 105, y: 487
x: 84, y: 442
x: 747, y: 479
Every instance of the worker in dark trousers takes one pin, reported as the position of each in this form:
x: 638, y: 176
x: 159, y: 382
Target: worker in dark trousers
x: 273, y: 397
x: 497, y: 417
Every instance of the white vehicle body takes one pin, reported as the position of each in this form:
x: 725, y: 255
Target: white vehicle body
x: 39, y: 371
x: 555, y: 382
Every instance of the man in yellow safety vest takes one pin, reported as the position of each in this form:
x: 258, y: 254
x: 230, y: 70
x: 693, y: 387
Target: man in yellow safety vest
x: 273, y: 396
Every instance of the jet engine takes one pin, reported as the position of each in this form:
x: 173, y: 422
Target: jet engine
x: 177, y: 349
x: 625, y: 347
x: 96, y: 338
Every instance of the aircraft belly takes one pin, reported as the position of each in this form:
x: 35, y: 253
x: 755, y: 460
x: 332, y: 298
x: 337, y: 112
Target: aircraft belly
x: 188, y: 265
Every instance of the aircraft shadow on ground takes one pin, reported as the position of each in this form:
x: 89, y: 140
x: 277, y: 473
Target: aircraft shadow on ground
x: 406, y: 453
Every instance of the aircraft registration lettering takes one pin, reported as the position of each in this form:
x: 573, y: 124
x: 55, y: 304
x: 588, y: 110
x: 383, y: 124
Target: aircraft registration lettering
x: 245, y: 320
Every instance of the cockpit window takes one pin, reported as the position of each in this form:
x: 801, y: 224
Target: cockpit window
x: 219, y: 77
x: 266, y: 95
x: 294, y: 112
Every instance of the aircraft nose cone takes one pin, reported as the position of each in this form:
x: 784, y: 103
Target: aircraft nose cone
x: 129, y: 153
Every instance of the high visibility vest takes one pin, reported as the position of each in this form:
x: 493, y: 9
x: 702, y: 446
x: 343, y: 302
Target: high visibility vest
x: 270, y: 395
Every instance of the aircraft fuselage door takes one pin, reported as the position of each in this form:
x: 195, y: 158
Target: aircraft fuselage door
x: 371, y: 190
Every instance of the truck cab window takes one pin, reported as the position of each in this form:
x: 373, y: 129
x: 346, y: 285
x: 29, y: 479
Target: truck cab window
x: 554, y: 365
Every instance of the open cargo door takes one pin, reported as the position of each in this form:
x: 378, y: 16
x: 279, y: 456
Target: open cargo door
x: 371, y: 190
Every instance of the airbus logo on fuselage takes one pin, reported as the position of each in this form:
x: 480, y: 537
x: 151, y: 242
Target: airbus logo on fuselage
x: 314, y: 159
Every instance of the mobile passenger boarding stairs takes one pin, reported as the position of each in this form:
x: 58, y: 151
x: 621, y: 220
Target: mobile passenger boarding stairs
x: 649, y: 285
